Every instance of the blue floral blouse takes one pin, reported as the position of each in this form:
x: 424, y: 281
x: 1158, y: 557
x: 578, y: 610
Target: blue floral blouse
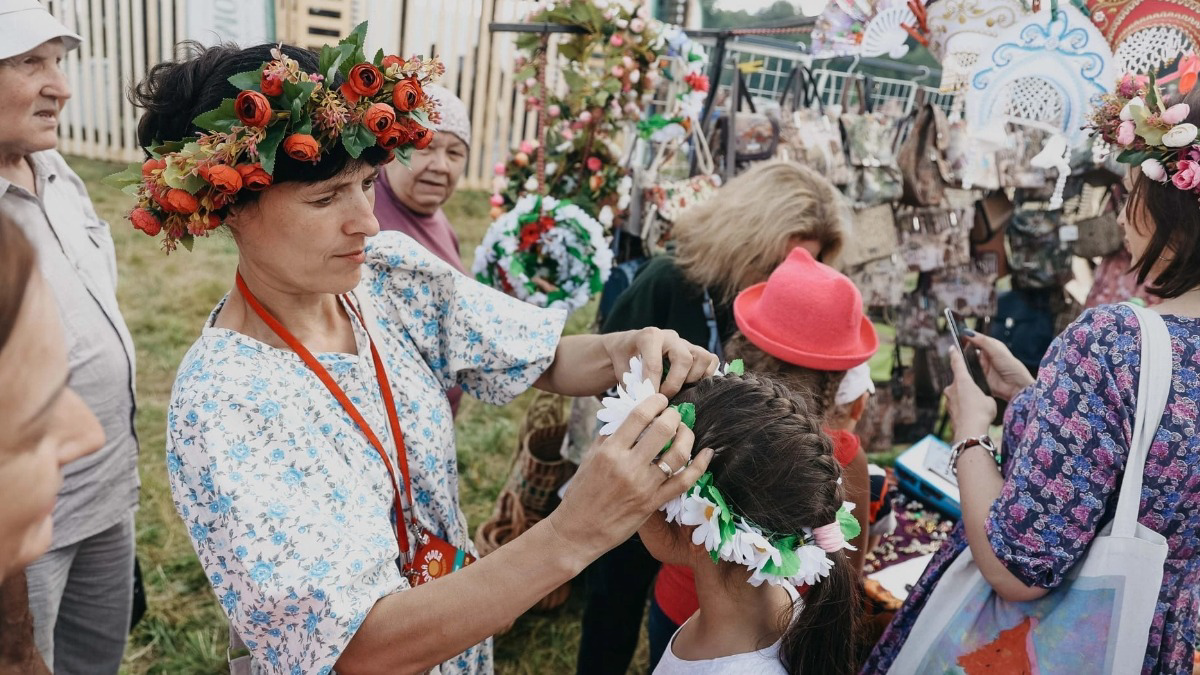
x: 1066, y: 439
x: 287, y: 504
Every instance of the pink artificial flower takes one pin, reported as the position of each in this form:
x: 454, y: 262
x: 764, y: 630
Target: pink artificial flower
x: 497, y: 200
x: 637, y: 25
x: 1187, y: 175
x: 1176, y: 113
x: 585, y: 116
x: 554, y: 111
x: 618, y: 72
x: 616, y: 40
x: 526, y: 147
x: 1126, y: 133
x: 594, y: 164
x: 498, y: 169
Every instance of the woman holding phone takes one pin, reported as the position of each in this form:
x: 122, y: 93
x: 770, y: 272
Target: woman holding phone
x: 1067, y: 434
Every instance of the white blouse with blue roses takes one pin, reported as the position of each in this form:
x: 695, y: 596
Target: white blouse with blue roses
x: 287, y: 504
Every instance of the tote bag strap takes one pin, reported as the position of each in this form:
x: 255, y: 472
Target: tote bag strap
x: 1154, y: 386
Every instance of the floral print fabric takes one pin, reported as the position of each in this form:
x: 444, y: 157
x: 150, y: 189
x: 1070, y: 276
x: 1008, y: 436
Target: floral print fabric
x: 1066, y: 439
x: 287, y: 504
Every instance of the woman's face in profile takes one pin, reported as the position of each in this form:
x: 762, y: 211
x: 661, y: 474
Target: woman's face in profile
x: 46, y: 426
x: 309, y: 237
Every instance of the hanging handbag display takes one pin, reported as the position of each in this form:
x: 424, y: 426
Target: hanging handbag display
x: 880, y: 281
x: 969, y: 290
x: 1038, y: 257
x: 922, y: 157
x: 992, y: 215
x: 755, y: 135
x: 934, y: 238
x: 875, y: 177
x: 917, y: 321
x: 664, y: 200
x: 1109, y: 596
x: 808, y: 135
x: 1098, y: 232
x: 871, y: 236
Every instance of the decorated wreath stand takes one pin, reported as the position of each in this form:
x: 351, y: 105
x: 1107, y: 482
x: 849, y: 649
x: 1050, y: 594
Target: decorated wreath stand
x: 551, y: 253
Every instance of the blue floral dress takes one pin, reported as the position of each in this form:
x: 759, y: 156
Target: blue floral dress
x: 288, y: 506
x: 1066, y: 439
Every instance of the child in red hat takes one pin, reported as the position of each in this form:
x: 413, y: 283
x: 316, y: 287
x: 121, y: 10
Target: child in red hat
x: 805, y: 328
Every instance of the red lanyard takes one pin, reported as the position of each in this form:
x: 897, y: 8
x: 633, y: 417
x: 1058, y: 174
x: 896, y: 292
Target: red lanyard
x: 385, y: 391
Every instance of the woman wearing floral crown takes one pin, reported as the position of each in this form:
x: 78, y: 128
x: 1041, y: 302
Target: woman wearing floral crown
x: 1029, y: 521
x: 309, y: 440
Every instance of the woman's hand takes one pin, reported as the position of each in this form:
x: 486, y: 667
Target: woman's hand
x: 619, y: 484
x: 688, y: 363
x: 1006, y: 375
x: 971, y: 410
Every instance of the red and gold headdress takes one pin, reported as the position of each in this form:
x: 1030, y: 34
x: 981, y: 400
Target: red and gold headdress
x: 1148, y: 133
x: 186, y: 186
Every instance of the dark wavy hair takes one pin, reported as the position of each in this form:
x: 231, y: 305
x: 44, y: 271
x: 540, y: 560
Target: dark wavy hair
x: 175, y: 92
x: 775, y: 467
x: 1176, y: 218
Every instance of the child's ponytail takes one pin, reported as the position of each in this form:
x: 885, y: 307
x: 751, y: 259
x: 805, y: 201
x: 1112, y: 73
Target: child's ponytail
x: 823, y: 637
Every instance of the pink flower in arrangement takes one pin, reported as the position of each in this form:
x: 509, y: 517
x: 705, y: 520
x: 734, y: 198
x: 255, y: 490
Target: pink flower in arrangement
x: 1176, y: 113
x: 585, y: 116
x: 618, y: 72
x: 637, y: 25
x: 526, y: 147
x: 554, y: 111
x: 498, y: 169
x: 1126, y: 133
x: 1187, y: 175
x: 616, y: 40
x: 497, y: 200
x: 627, y: 61
x: 530, y: 83
x: 594, y: 164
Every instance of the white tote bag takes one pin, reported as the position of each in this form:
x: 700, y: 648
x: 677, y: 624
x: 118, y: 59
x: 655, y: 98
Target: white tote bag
x: 1099, y: 620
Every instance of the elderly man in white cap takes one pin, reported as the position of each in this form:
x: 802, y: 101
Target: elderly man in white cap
x: 410, y: 199
x: 80, y: 592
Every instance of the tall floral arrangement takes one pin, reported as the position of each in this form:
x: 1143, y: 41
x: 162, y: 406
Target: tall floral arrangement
x: 609, y: 73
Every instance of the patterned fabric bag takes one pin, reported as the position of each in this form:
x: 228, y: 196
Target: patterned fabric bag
x: 934, y: 238
x: 881, y: 281
x: 869, y: 143
x: 969, y: 290
x: 922, y: 157
x: 1095, y: 218
x: 917, y: 322
x: 992, y: 214
x: 808, y: 135
x: 665, y: 200
x: 1038, y: 259
x: 872, y: 235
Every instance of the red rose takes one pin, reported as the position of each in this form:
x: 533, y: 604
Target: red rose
x: 223, y: 177
x: 422, y: 137
x: 363, y: 80
x: 594, y: 164
x: 146, y: 221
x: 253, y: 109
x: 254, y: 177
x: 152, y: 164
x: 408, y: 95
x: 379, y: 117
x: 302, y: 147
x: 393, y: 137
x: 392, y: 60
x: 180, y: 201
x: 271, y: 85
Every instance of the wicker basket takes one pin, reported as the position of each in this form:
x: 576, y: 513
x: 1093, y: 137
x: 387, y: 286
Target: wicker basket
x: 531, y: 493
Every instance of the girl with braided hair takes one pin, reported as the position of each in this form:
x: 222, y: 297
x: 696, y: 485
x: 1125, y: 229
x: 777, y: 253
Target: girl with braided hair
x: 766, y: 511
x: 804, y: 327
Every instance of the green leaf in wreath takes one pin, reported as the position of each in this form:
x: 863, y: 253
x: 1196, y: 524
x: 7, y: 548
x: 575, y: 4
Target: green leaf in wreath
x: 268, y: 146
x: 250, y: 79
x: 221, y: 119
x: 131, y: 176
x: 188, y: 241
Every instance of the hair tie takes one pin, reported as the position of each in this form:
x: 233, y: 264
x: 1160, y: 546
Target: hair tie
x: 830, y: 537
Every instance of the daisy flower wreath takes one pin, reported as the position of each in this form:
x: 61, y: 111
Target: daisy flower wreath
x: 545, y: 251
x: 799, y: 559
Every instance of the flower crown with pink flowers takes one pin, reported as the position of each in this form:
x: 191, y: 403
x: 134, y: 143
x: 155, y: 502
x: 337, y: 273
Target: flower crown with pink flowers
x: 186, y: 186
x: 1149, y: 134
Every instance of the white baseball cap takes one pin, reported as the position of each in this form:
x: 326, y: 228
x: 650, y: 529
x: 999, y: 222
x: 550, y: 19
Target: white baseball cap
x: 856, y: 383
x: 25, y: 24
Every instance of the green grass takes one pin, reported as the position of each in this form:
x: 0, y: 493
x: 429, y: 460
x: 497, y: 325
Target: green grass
x: 165, y: 300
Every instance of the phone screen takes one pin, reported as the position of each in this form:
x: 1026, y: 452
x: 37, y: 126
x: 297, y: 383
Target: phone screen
x: 956, y: 325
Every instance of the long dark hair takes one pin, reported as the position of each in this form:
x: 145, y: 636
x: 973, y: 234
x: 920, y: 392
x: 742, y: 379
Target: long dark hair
x: 17, y: 261
x: 175, y: 92
x: 775, y: 467
x: 1176, y: 226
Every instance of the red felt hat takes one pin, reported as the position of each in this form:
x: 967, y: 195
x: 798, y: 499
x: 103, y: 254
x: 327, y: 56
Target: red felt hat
x: 807, y: 314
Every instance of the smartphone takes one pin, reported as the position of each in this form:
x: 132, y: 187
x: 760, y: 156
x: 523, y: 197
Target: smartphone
x: 956, y: 325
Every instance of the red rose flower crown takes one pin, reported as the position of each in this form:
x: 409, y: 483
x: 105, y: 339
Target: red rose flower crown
x: 187, y: 185
x: 1149, y: 134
